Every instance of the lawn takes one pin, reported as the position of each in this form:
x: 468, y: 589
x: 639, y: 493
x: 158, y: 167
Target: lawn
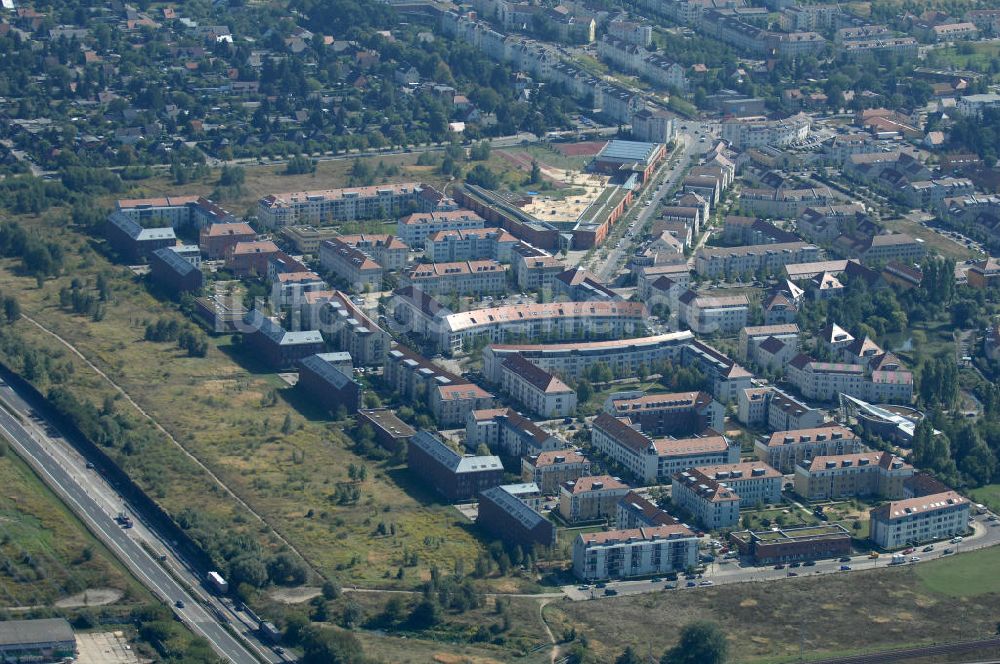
x: 988, y: 495
x: 864, y: 610
x: 964, y: 575
x: 942, y: 245
x: 46, y: 553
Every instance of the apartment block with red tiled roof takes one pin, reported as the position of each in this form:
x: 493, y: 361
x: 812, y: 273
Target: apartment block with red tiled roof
x: 550, y: 470
x: 712, y: 504
x: 449, y: 397
x: 913, y: 521
x: 478, y: 277
x: 470, y: 244
x: 675, y: 414
x: 540, y: 392
x: 508, y: 433
x: 637, y: 552
x: 245, y: 259
x: 786, y: 449
x: 217, y: 240
x: 591, y: 498
x: 879, y: 474
x: 350, y: 265
x: 635, y: 511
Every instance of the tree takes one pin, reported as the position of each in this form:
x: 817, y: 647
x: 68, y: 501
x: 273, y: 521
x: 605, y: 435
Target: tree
x: 300, y: 165
x: 482, y: 177
x: 629, y: 656
x: 286, y: 426
x: 425, y: 614
x: 232, y: 176
x: 328, y: 646
x: 11, y: 309
x: 331, y: 589
x: 700, y: 643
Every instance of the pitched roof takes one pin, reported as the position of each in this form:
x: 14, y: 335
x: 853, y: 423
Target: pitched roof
x: 537, y: 377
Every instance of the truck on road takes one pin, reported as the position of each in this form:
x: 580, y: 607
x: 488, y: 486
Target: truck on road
x: 215, y: 580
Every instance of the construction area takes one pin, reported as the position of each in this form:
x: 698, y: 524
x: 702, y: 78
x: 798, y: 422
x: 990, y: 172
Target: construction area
x: 562, y: 209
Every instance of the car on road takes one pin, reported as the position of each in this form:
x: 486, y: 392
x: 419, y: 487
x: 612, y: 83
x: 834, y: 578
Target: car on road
x: 795, y: 565
x: 90, y: 465
x: 956, y: 540
x: 907, y: 551
x: 779, y: 566
x: 845, y: 568
x: 279, y: 650
x: 179, y: 604
x: 845, y: 559
x: 809, y: 563
x: 691, y: 584
x: 793, y: 574
x: 928, y: 548
x: 601, y: 585
x: 583, y: 587
x: 947, y: 552
x: 610, y: 592
x: 914, y: 559
x: 656, y: 579
x: 706, y: 582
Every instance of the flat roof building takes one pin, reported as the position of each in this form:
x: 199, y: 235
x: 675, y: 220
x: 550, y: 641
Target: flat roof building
x: 42, y: 640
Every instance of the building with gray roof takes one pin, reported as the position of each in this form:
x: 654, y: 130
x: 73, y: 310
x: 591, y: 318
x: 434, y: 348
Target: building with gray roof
x: 509, y: 518
x: 132, y: 241
x: 277, y: 346
x: 327, y: 383
x: 174, y: 272
x: 43, y: 640
x: 451, y: 474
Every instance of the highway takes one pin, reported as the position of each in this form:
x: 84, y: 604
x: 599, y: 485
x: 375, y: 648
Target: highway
x: 96, y: 503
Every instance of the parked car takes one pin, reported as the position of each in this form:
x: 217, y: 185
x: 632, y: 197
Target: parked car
x: 610, y: 592
x: 706, y: 583
x: 845, y: 568
x: 809, y: 563
x: 845, y: 559
x: 793, y: 574
x: 779, y: 566
x: 947, y: 552
x: 928, y: 548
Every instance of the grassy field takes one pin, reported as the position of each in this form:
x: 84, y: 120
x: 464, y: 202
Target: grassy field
x: 46, y: 554
x: 869, y: 610
x: 988, y: 495
x: 938, y: 243
x: 967, y: 575
x: 976, y: 55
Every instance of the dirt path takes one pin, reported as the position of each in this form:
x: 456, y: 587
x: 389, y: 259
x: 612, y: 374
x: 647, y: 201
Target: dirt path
x: 166, y: 433
x: 554, y: 655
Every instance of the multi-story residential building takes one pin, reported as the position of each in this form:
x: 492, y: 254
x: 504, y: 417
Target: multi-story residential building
x: 550, y: 470
x: 177, y: 211
x: 331, y: 205
x: 784, y: 450
x: 552, y: 320
x: 653, y: 126
x: 540, y: 392
x: 750, y: 133
x: 631, y: 32
x: 132, y: 241
x: 388, y: 251
x: 534, y: 269
x: 892, y: 247
x: 508, y: 433
x: 711, y: 503
x: 882, y: 380
x: 580, y: 285
x: 783, y: 201
x: 327, y: 384
x: 454, y: 476
x: 572, y: 360
x: 217, y: 240
x: 751, y: 230
x: 591, y: 498
x: 904, y: 47
x: 751, y: 405
x: 985, y: 273
x: 913, y: 521
x: 476, y: 244
x: 347, y: 325
x: 480, y: 277
x: 250, y: 259
x: 512, y: 520
x: 715, y: 262
x: 879, y: 474
x: 651, y: 460
x: 676, y: 414
x: 749, y: 336
x: 785, y: 545
x: 306, y: 239
x: 391, y: 432
x: 634, y: 511
x: 625, y: 554
x: 725, y: 376
x: 288, y: 288
x: 755, y: 482
x: 350, y: 265
x: 414, y: 229
x: 786, y: 413
x: 276, y: 346
x: 450, y: 398
x: 646, y: 275
x: 929, y: 194
x: 706, y: 314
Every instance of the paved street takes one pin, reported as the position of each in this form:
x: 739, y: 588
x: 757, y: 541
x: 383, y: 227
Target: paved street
x: 719, y: 573
x: 96, y: 502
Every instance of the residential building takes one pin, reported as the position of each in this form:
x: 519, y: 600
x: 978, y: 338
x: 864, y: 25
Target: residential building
x: 540, y: 392
x: 745, y: 133
x: 878, y: 474
x: 786, y: 413
x: 883, y: 380
x: 787, y: 545
x: 654, y: 126
x: 250, y: 259
x: 175, y: 211
x: 755, y: 482
x: 711, y: 503
x: 580, y: 285
x: 754, y: 335
x: 913, y: 521
x: 218, y: 240
x: 348, y: 327
x: 678, y: 273
x: 706, y: 314
x: 534, y: 269
x: 508, y: 433
x: 715, y: 262
x: 784, y: 450
x: 974, y: 105
x: 985, y: 273
x: 414, y: 229
x: 892, y: 247
x: 388, y: 251
x: 751, y: 405
x: 783, y: 202
x: 332, y: 205
x: 676, y: 414
x: 634, y: 511
x: 725, y: 376
x: 464, y: 278
x: 133, y: 242
x: 652, y: 460
x: 171, y: 271
x: 391, y: 432
x: 626, y: 554
x: 288, y: 288
x: 550, y: 470
x: 591, y: 498
x: 474, y: 244
x: 572, y: 360
x: 276, y: 346
x: 508, y: 518
x: 327, y: 384
x: 350, y: 265
x: 456, y: 477
x: 450, y: 398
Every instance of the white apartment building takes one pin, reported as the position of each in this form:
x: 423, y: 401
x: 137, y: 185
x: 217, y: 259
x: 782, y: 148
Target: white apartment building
x: 755, y: 482
x: 974, y: 105
x: 784, y: 450
x: 414, y: 229
x: 540, y: 392
x: 626, y: 554
x: 914, y: 521
x: 479, y: 277
x: 715, y: 262
x: 330, y: 205
x: 713, y: 315
x: 476, y: 244
x: 757, y: 133
x: 712, y: 504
